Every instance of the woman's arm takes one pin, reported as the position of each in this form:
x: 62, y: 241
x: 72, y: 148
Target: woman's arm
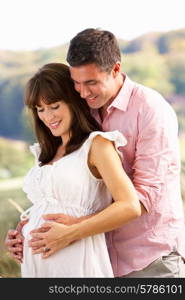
x: 126, y: 206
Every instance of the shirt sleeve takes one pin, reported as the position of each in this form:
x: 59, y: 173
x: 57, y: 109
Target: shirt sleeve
x: 157, y: 158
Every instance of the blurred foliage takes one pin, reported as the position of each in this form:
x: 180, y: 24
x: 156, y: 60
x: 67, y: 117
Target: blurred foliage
x: 15, y: 158
x: 176, y: 64
x: 155, y: 60
x: 15, y: 70
x: 149, y: 69
x: 9, y: 268
x: 165, y: 43
x: 173, y: 41
x: 9, y: 218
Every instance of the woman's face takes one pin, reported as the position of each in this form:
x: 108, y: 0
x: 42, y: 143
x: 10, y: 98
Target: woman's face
x: 57, y: 117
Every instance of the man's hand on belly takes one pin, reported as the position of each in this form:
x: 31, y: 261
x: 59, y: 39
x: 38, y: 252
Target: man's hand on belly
x: 14, y: 241
x: 65, y: 219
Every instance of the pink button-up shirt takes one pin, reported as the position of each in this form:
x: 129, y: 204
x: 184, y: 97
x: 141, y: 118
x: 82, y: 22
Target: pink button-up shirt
x: 151, y: 159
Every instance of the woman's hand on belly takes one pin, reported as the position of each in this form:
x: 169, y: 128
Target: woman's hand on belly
x: 50, y: 238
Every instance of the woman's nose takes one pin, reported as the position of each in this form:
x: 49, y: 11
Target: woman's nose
x: 49, y: 115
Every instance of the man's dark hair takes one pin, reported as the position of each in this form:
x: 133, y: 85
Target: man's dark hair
x: 94, y: 46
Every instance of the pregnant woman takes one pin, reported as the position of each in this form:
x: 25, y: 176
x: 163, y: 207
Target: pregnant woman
x: 77, y: 172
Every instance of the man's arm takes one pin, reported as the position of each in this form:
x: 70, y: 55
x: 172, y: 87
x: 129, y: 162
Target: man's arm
x: 157, y: 160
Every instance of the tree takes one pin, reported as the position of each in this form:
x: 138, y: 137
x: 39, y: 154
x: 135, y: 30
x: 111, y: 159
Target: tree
x: 150, y: 69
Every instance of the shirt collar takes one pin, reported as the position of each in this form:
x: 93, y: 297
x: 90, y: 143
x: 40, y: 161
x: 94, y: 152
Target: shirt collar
x: 122, y: 99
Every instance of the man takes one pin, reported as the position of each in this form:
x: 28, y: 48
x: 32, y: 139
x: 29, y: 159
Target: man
x: 151, y: 245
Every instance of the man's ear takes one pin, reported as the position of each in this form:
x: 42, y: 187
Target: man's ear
x: 116, y: 68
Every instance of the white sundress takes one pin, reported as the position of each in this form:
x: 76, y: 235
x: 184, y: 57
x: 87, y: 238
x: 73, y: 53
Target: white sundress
x: 68, y: 186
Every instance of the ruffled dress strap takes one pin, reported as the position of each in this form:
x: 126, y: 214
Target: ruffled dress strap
x: 35, y: 150
x: 115, y: 136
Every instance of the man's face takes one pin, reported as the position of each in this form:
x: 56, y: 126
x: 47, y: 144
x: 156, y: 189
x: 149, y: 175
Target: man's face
x: 95, y: 86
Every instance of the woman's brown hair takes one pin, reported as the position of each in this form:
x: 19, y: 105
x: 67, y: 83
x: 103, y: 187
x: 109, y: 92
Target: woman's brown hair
x: 53, y: 83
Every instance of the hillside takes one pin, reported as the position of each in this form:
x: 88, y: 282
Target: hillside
x: 155, y: 60
x: 165, y: 43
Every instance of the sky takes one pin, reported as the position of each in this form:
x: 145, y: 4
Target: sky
x: 35, y: 24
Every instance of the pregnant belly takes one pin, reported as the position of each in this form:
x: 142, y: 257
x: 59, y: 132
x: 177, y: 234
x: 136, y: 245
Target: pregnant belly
x: 36, y: 217
x: 85, y: 258
x: 38, y: 210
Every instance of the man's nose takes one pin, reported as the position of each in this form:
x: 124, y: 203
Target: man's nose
x: 84, y: 91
